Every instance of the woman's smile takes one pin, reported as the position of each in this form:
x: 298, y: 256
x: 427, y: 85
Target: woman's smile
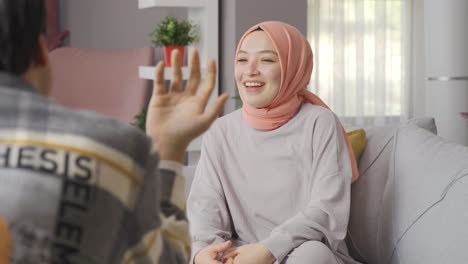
x: 254, y: 86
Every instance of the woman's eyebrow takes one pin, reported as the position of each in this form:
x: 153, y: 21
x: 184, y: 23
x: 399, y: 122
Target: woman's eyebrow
x: 263, y: 51
x: 269, y: 51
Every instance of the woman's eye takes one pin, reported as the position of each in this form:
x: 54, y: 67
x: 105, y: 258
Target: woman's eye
x: 241, y: 60
x: 268, y: 60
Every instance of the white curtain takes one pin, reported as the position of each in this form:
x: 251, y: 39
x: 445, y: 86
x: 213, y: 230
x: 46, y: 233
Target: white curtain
x: 361, y: 58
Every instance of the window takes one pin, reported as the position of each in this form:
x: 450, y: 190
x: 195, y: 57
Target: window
x: 361, y: 57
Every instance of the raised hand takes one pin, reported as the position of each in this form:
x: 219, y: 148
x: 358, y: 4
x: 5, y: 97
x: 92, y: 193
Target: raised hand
x: 176, y: 117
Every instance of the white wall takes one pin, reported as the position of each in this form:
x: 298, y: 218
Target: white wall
x: 111, y: 24
x: 446, y: 46
x: 418, y: 62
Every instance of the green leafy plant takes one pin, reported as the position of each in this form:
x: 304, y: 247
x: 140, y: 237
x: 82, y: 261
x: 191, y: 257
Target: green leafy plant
x: 237, y: 98
x: 172, y: 32
x: 140, y: 119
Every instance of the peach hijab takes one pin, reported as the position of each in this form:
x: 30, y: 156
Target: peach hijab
x: 295, y: 56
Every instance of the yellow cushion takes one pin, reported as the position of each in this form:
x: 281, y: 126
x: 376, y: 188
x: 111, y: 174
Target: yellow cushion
x: 357, y: 138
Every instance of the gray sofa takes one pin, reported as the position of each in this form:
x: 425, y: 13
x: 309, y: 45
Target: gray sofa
x: 410, y: 204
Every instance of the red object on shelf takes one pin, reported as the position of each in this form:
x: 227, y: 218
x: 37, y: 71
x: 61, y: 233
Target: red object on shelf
x: 167, y: 54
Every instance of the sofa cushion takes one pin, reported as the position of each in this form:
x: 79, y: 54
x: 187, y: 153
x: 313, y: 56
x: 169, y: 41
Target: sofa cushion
x: 409, y: 204
x: 422, y: 218
x: 367, y: 192
x: 357, y: 138
x: 441, y: 234
x: 427, y: 123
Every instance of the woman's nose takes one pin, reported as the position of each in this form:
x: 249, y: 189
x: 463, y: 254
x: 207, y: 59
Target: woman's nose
x: 252, y: 69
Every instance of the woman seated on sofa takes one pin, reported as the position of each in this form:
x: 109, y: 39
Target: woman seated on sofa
x: 275, y: 176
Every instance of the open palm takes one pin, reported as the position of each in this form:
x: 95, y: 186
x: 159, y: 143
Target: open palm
x: 178, y: 116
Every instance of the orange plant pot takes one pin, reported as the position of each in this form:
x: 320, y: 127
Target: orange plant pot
x: 167, y: 54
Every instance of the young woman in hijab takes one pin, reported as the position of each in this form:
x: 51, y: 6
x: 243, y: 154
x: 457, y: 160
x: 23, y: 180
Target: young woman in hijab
x: 274, y: 177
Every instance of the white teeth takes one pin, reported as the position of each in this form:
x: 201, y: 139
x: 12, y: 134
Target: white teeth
x: 253, y: 84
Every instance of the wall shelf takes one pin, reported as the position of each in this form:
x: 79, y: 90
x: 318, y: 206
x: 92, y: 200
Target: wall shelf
x: 147, y: 72
x: 204, y: 13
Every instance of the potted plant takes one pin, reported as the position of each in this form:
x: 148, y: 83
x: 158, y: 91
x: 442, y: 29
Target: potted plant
x: 172, y: 34
x: 139, y: 120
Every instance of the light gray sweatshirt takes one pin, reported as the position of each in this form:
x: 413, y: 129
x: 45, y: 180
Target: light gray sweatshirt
x: 280, y: 188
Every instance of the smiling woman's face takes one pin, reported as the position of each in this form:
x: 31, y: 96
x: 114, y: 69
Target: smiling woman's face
x: 258, y: 70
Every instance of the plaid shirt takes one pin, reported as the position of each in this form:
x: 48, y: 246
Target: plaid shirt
x: 78, y: 187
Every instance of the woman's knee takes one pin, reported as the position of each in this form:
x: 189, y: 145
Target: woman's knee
x: 311, y: 252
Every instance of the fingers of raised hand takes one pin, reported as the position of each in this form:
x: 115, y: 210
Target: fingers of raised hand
x: 215, y: 110
x: 158, y: 88
x: 176, y: 80
x: 195, y: 76
x: 210, y: 82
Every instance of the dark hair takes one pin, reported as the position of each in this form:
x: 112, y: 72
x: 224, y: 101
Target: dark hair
x: 21, y: 22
